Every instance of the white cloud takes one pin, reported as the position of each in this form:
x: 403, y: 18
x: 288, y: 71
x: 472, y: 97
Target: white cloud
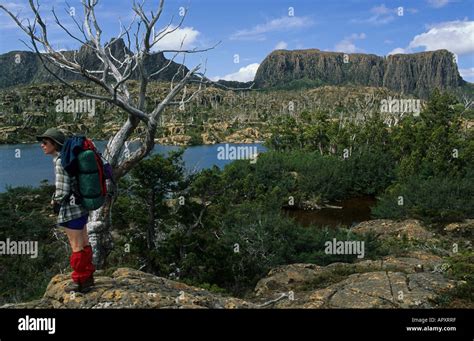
x: 438, y: 3
x: 347, y: 44
x: 380, y: 10
x: 397, y: 51
x: 382, y: 15
x: 455, y: 36
x: 281, y: 45
x: 172, y: 41
x: 284, y: 23
x: 467, y: 74
x: 245, y: 74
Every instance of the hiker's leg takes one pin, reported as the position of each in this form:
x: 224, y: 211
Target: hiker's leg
x: 85, y: 236
x: 90, y: 268
x: 79, y: 260
x: 75, y: 239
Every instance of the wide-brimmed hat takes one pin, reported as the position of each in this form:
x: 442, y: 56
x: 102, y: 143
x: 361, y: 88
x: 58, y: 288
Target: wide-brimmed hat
x: 54, y: 134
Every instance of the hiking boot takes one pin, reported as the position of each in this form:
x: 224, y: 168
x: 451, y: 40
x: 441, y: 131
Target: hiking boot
x: 86, y: 285
x: 89, y: 281
x: 72, y: 287
x: 83, y: 287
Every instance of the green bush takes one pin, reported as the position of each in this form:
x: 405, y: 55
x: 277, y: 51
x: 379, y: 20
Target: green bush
x: 432, y: 200
x: 461, y: 268
x: 24, y: 217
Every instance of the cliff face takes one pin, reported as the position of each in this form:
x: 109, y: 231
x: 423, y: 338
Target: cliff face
x: 420, y: 73
x: 417, y: 73
x: 24, y: 67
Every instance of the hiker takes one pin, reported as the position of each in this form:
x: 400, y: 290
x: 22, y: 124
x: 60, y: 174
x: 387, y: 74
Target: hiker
x: 71, y: 215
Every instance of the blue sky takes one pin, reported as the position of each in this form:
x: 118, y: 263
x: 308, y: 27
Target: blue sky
x: 250, y: 29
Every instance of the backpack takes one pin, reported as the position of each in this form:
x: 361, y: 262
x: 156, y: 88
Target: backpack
x: 81, y: 159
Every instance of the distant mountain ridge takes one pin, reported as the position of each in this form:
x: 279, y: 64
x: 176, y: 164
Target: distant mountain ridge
x: 417, y: 73
x: 25, y: 67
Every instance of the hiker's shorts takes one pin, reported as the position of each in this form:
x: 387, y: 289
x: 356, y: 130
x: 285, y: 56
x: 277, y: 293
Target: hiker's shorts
x: 76, y: 224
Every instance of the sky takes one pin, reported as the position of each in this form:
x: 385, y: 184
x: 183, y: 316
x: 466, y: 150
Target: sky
x: 248, y: 30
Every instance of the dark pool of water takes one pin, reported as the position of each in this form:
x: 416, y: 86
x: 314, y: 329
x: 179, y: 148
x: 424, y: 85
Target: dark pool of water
x: 353, y: 211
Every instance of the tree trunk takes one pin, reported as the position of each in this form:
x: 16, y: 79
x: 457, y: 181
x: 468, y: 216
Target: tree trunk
x: 99, y: 227
x: 99, y: 230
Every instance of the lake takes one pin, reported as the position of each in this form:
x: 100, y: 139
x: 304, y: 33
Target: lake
x: 32, y: 166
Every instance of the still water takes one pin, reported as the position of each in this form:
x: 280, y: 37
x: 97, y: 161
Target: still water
x: 32, y: 166
x: 352, y: 212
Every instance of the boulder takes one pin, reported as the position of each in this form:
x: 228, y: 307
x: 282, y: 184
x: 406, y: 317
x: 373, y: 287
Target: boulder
x: 128, y: 288
x: 246, y: 135
x: 381, y: 289
x: 461, y: 229
x: 392, y: 282
x: 383, y: 228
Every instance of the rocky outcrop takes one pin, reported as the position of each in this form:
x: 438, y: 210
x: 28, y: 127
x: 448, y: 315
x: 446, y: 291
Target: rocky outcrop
x: 383, y: 228
x: 128, y: 288
x: 414, y: 278
x: 215, y: 134
x: 381, y: 290
x: 461, y: 229
x: 417, y: 73
x: 393, y: 282
x: 246, y: 135
x: 174, y: 140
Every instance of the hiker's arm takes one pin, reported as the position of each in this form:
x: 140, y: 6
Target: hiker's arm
x: 62, y: 183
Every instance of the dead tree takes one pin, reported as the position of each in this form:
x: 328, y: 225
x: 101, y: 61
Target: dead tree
x: 112, y: 77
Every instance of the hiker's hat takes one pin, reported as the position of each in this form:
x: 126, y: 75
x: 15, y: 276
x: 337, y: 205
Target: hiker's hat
x: 54, y: 134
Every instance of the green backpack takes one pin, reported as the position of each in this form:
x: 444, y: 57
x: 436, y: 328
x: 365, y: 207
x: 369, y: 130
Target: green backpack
x: 80, y: 159
x: 89, y: 180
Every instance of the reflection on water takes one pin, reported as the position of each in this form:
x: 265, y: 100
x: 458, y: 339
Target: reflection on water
x: 353, y: 211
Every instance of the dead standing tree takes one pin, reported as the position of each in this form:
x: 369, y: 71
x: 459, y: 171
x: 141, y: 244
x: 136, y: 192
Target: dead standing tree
x: 113, y: 76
